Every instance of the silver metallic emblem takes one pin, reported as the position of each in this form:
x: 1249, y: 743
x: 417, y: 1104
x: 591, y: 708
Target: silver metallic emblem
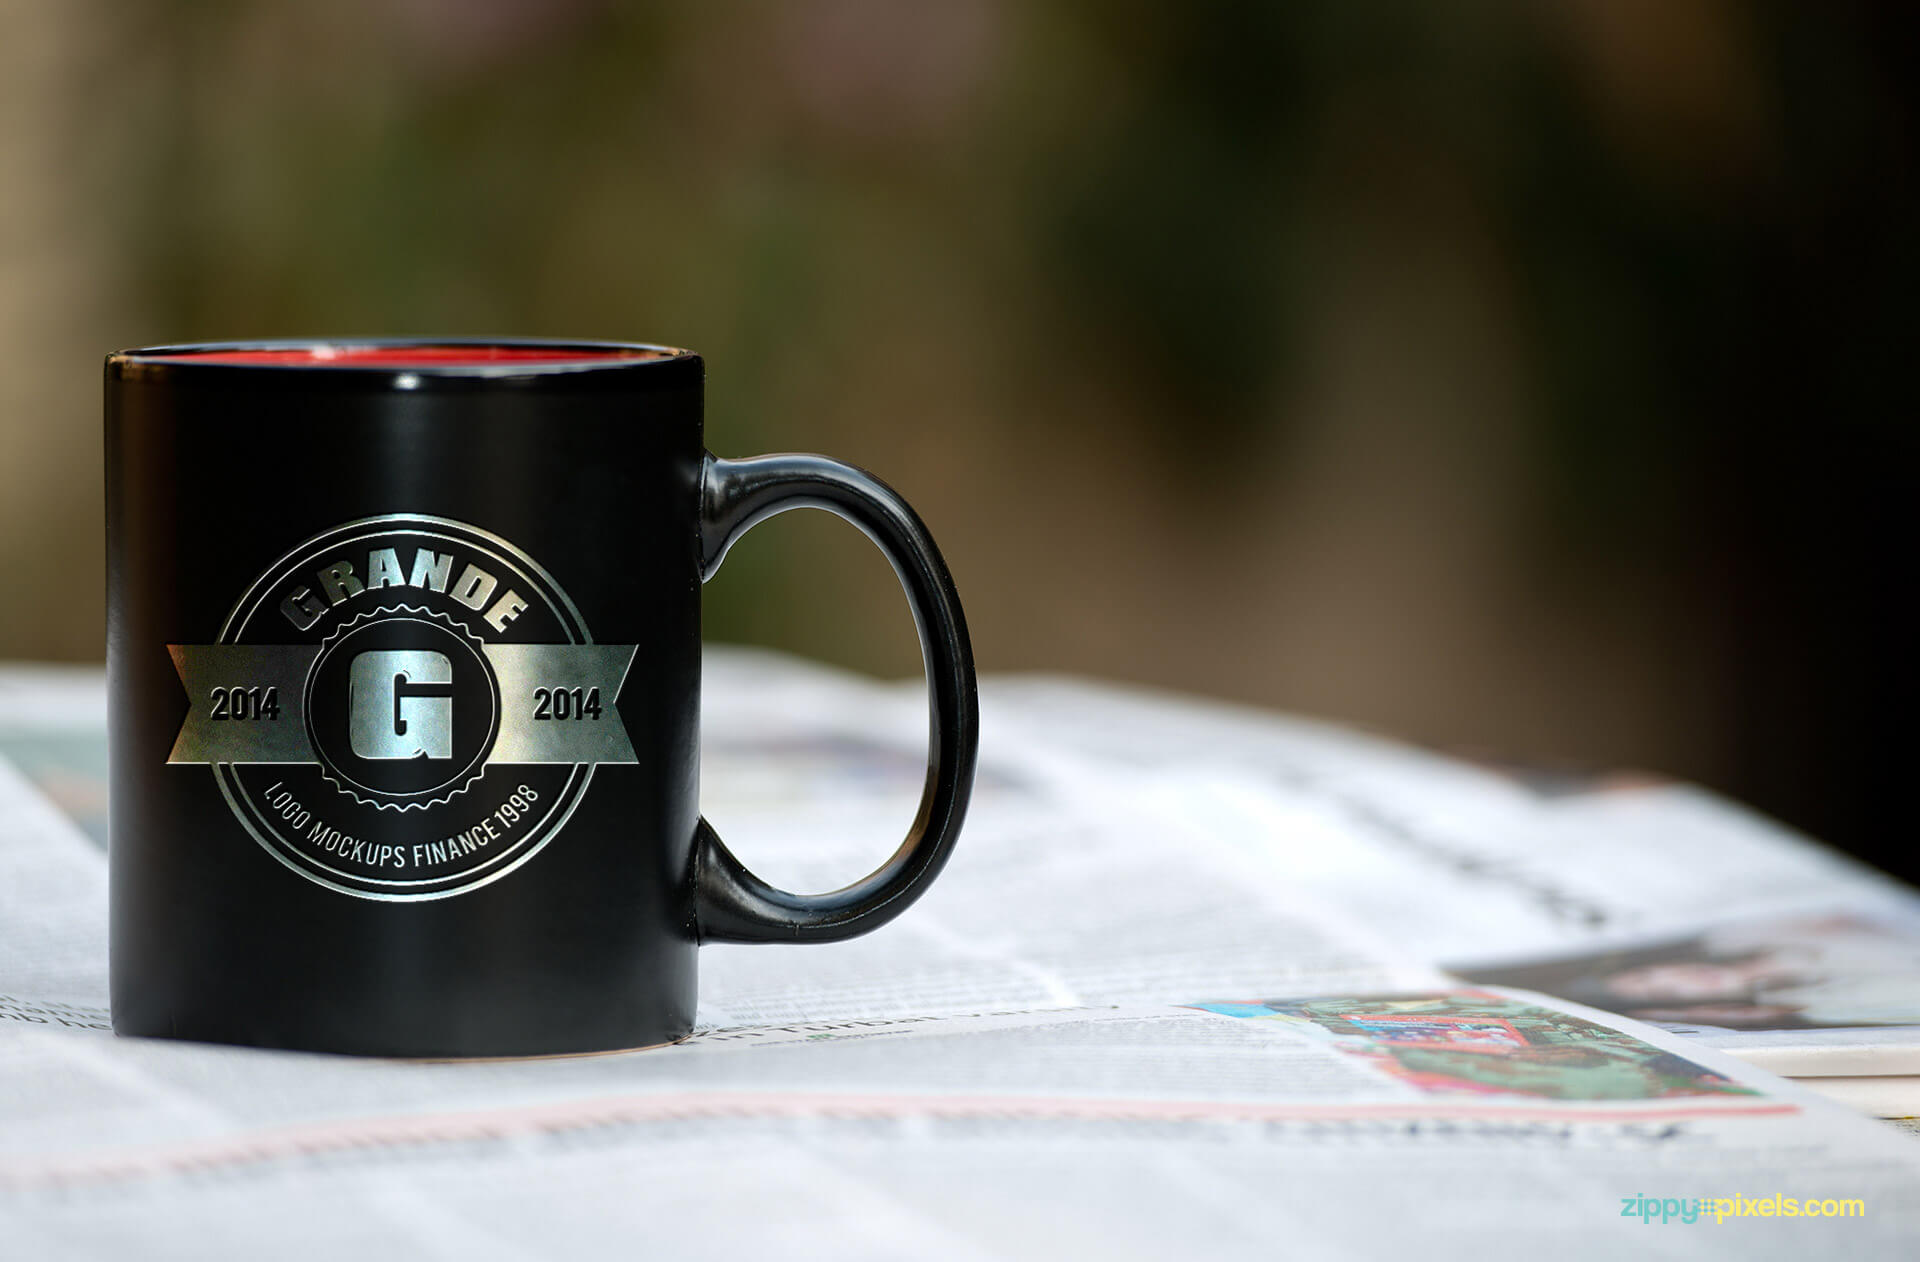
x: 404, y: 707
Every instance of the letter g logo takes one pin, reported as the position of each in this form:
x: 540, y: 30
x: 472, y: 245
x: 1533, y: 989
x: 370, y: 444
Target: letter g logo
x: 397, y: 719
x: 400, y: 705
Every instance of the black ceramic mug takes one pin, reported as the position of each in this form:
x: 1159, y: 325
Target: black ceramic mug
x: 403, y: 657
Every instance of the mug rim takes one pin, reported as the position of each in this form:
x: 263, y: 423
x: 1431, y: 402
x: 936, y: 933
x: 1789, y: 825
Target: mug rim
x: 598, y: 361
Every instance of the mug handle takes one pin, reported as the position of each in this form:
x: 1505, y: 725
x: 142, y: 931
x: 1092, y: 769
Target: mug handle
x: 731, y: 904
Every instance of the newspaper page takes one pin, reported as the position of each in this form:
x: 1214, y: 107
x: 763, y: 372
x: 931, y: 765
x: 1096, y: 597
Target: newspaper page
x: 1064, y: 892
x: 1228, y: 1125
x: 1102, y: 1037
x: 1655, y: 899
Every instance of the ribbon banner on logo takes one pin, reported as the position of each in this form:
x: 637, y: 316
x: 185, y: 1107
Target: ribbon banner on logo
x: 247, y: 703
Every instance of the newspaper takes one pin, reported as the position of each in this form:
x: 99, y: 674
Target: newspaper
x: 1653, y: 899
x: 1131, y: 1018
x: 1232, y: 1127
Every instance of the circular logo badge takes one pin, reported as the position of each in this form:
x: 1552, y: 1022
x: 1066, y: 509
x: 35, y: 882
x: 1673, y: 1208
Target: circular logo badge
x: 403, y: 707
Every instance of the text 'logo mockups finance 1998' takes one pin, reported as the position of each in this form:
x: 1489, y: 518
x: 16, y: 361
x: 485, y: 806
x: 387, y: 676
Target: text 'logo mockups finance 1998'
x: 404, y: 707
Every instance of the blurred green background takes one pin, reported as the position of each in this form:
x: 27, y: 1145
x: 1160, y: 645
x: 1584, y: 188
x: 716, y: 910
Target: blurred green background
x: 1531, y: 378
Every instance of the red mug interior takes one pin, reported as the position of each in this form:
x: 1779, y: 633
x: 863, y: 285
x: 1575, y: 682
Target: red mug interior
x: 421, y: 355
